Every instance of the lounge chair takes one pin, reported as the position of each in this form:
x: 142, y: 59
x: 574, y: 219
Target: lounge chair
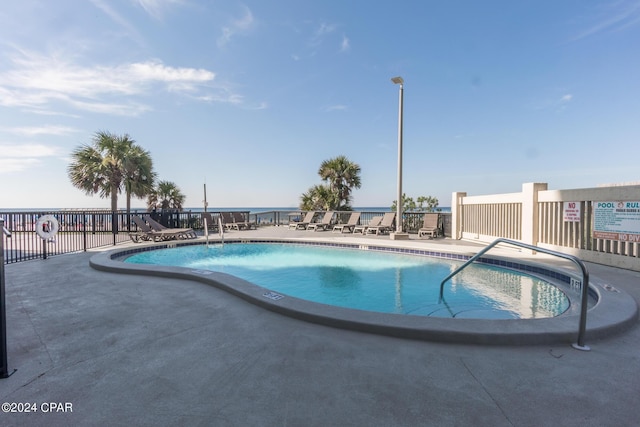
x: 362, y: 229
x: 302, y: 225
x: 385, y: 226
x: 146, y: 233
x: 212, y: 224
x: 430, y: 225
x: 322, y: 225
x: 241, y: 223
x: 350, y: 225
x: 227, y: 221
x: 180, y: 233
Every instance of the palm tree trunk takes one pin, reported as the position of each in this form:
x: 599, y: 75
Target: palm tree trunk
x: 114, y: 210
x: 128, y: 210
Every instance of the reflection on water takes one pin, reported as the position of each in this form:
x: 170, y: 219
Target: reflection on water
x: 398, y: 288
x: 526, y: 295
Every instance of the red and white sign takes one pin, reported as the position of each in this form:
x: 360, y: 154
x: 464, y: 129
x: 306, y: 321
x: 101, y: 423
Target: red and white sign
x: 571, y: 211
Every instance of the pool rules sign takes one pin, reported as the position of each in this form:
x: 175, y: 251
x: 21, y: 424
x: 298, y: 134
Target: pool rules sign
x: 617, y: 221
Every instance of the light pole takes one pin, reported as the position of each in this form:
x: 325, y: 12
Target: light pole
x: 399, y: 234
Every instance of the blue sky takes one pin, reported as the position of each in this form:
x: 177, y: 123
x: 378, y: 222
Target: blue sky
x: 250, y: 97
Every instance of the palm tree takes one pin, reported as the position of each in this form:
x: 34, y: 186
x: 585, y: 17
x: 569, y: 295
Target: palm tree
x: 318, y: 197
x: 409, y: 205
x: 342, y: 176
x: 139, y: 176
x: 98, y: 168
x: 109, y: 165
x: 165, y: 196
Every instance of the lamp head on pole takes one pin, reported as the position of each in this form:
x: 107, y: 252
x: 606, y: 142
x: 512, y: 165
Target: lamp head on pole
x: 397, y: 80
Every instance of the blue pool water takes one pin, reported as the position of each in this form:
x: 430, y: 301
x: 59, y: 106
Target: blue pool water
x: 373, y: 281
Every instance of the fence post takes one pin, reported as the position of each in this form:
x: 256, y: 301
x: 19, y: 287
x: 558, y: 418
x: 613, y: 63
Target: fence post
x: 84, y: 231
x: 114, y: 225
x: 529, y: 231
x: 456, y: 215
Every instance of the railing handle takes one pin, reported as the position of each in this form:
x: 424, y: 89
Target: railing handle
x: 585, y: 280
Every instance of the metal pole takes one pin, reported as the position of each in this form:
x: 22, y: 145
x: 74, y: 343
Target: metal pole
x: 400, y: 203
x: 205, y: 197
x: 4, y: 366
x: 400, y: 81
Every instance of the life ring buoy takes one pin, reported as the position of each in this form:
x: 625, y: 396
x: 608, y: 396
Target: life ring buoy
x: 47, y: 226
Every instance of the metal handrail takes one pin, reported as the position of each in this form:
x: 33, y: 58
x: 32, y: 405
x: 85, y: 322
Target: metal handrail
x: 585, y: 280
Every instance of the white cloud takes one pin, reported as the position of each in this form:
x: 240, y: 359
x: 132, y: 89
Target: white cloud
x: 241, y: 26
x: 39, y: 82
x: 51, y: 113
x: 320, y: 33
x: 19, y: 157
x: 345, y: 45
x: 260, y: 106
x: 336, y: 108
x: 27, y: 150
x: 39, y: 130
x: 118, y: 19
x: 228, y: 98
x: 177, y: 78
x: 563, y: 103
x: 130, y: 109
x: 16, y: 165
x: 618, y: 16
x: 325, y: 28
x: 324, y: 34
x: 553, y: 102
x: 156, y: 8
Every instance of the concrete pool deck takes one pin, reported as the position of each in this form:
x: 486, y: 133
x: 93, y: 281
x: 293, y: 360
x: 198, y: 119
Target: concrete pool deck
x: 137, y: 350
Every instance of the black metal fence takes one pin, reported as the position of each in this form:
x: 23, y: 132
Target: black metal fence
x: 78, y: 231
x: 81, y: 230
x: 412, y: 220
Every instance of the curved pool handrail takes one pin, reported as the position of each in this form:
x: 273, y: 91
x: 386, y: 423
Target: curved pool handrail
x: 221, y: 229
x: 584, y: 285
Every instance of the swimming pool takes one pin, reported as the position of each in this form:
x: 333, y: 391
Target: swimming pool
x: 372, y: 280
x: 611, y: 310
